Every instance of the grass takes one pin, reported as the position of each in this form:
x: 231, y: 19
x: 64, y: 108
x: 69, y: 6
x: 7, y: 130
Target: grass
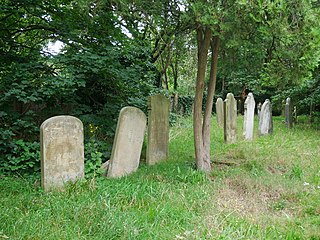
x: 268, y: 188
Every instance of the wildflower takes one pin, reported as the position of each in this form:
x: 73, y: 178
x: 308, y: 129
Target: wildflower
x: 306, y: 184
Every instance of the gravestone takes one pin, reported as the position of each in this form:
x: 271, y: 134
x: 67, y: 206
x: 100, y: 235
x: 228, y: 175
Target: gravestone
x: 127, y: 144
x: 219, y: 111
x: 249, y: 106
x: 259, y: 109
x: 230, y: 119
x: 288, y: 113
x: 283, y: 108
x: 265, y: 121
x: 158, y: 129
x: 294, y: 115
x: 62, y: 151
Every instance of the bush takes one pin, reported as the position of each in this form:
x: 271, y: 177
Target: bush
x: 21, y: 157
x: 96, y: 153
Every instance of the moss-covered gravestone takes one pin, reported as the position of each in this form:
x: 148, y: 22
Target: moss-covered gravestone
x: 219, y: 112
x: 158, y: 129
x: 230, y: 119
x: 288, y: 113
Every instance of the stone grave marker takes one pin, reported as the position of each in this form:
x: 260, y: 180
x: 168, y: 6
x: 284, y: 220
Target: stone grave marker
x: 219, y: 111
x: 249, y: 106
x: 294, y: 115
x: 288, y: 113
x: 259, y: 109
x: 230, y: 119
x: 158, y: 129
x: 265, y: 121
x: 62, y: 151
x: 283, y: 108
x: 127, y: 144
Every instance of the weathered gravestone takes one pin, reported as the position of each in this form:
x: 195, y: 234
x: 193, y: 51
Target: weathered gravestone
x: 127, y: 144
x: 265, y: 121
x: 259, y: 109
x: 62, y: 151
x: 230, y: 119
x: 288, y: 113
x: 219, y: 111
x: 294, y: 115
x: 158, y: 129
x: 283, y: 108
x: 249, y: 106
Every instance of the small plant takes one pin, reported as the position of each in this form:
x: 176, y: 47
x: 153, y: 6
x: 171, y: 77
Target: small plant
x: 96, y: 153
x: 23, y: 157
x: 191, y: 176
x: 254, y: 167
x: 280, y: 205
x: 296, y: 172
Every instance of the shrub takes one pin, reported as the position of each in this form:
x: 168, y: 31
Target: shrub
x: 21, y: 157
x: 96, y: 153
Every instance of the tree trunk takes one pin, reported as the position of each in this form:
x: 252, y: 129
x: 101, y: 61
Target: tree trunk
x: 174, y: 67
x: 203, y: 42
x: 215, y: 44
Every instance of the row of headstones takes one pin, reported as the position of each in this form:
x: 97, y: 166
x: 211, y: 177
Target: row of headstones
x: 62, y: 143
x: 227, y: 117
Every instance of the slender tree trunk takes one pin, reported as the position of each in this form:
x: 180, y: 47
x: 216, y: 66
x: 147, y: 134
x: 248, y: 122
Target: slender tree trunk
x: 164, y: 65
x: 203, y: 42
x: 215, y: 44
x: 174, y: 67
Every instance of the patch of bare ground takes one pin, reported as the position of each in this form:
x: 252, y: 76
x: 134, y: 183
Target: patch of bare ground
x: 252, y: 200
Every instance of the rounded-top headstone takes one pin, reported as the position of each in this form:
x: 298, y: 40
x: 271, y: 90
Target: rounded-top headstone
x: 127, y: 144
x: 249, y: 106
x: 265, y: 121
x: 230, y: 119
x: 289, y: 113
x: 62, y: 151
x: 219, y: 112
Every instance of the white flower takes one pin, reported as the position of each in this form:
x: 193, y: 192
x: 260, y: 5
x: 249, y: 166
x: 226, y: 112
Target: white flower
x: 306, y: 184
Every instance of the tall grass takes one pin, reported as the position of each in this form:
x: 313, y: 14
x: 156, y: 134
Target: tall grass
x: 268, y: 188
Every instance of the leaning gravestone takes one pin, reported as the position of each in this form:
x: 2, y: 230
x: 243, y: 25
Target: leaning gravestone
x: 230, y: 119
x: 219, y: 111
x: 265, y: 121
x: 158, y: 129
x: 249, y: 106
x: 288, y: 113
x: 127, y: 144
x: 62, y: 151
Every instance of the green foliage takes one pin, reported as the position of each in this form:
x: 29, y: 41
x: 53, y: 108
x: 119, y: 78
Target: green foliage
x: 99, y: 71
x: 305, y: 96
x: 20, y: 157
x: 185, y: 104
x: 296, y: 172
x: 96, y: 153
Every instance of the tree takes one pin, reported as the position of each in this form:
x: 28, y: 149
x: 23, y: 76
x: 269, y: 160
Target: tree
x: 100, y: 69
x: 257, y: 38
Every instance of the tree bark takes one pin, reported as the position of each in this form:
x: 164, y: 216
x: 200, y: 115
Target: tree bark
x: 203, y: 42
x: 215, y: 44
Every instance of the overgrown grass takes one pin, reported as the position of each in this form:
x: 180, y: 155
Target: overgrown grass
x: 268, y: 188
